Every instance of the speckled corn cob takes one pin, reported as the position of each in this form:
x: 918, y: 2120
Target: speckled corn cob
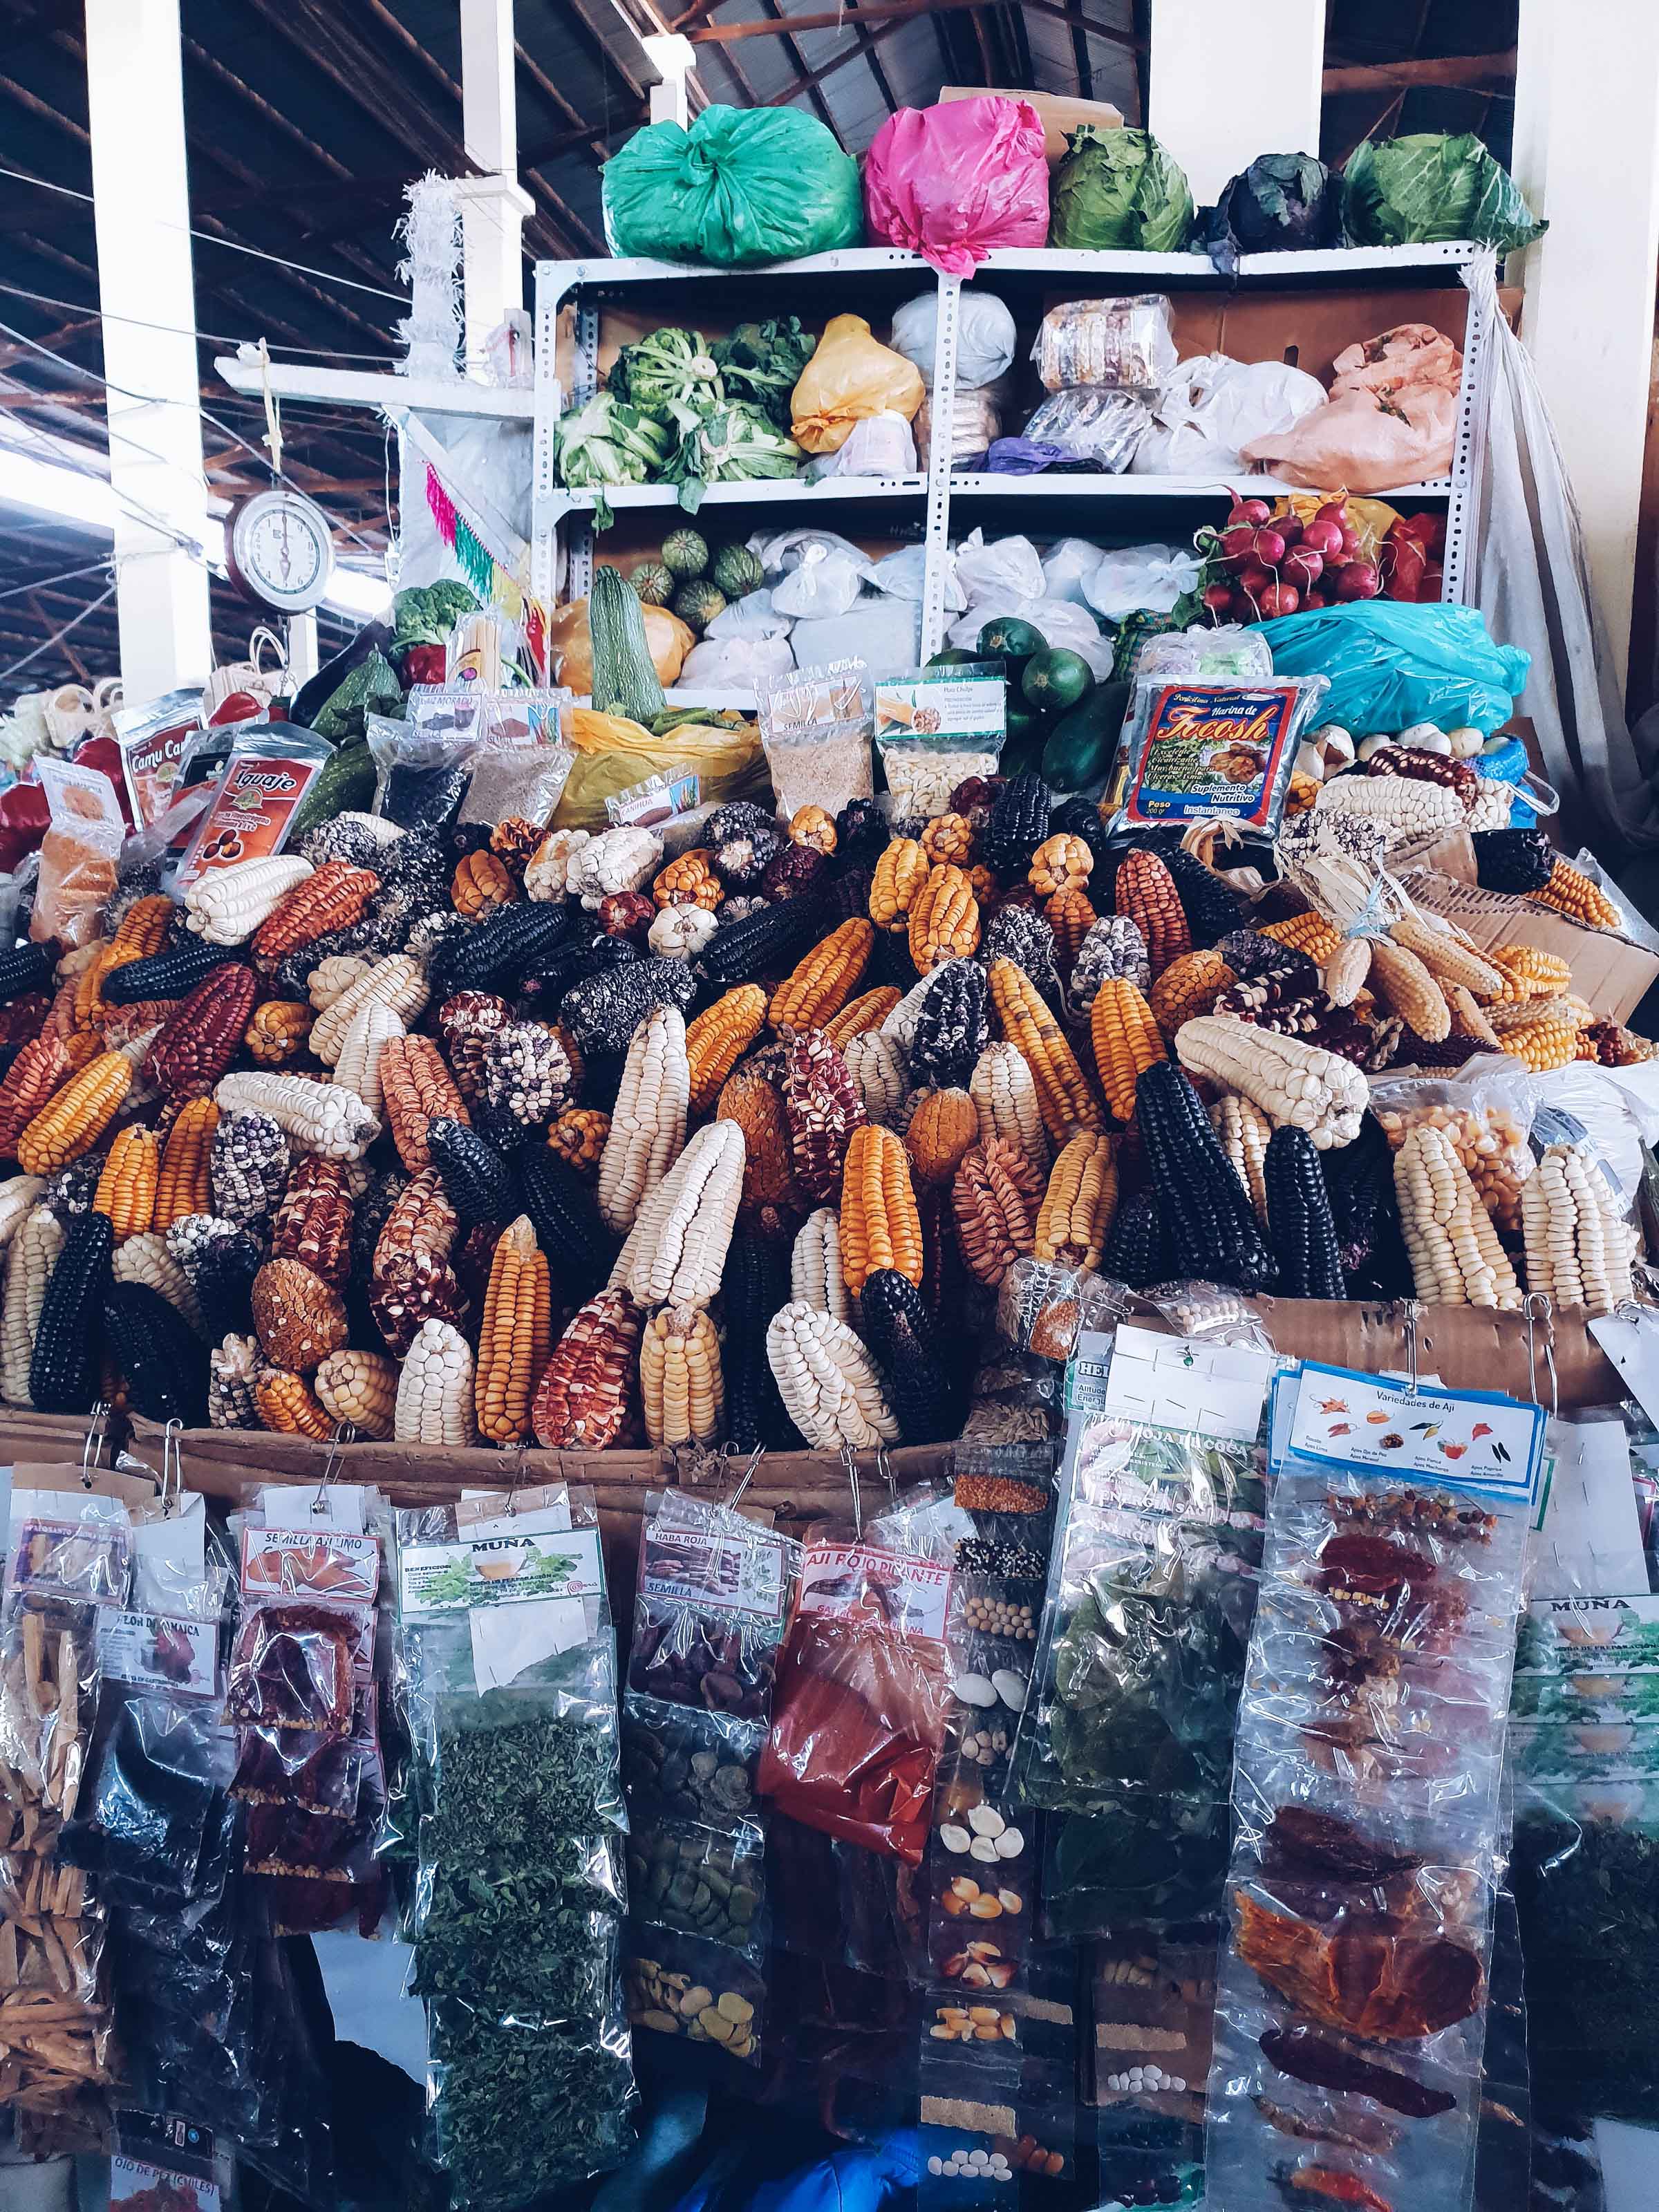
x: 248, y: 1163
x: 145, y: 1259
x: 360, y: 1388
x: 233, y: 1370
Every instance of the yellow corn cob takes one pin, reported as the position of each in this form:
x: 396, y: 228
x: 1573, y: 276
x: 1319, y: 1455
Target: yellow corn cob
x: 1071, y: 917
x: 1305, y: 932
x: 1401, y: 978
x: 288, y: 1406
x: 880, y: 1225
x: 360, y: 1387
x: 90, y: 1011
x: 1541, y: 1045
x: 185, y: 1185
x: 1189, y: 985
x: 820, y: 985
x: 681, y: 1386
x: 944, y: 921
x: 579, y: 1134
x: 1529, y: 972
x: 126, y: 1188
x: 516, y: 1336
x: 1126, y: 1040
x: 860, y: 1015
x: 943, y: 1128
x: 717, y: 1039
x: 1063, y: 1094
x: 278, y: 1031
x: 900, y: 872
x: 1573, y: 893
x: 1078, y: 1204
x: 72, y: 1120
x: 1447, y: 957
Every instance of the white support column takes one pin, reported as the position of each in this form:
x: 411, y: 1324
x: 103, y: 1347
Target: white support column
x: 135, y: 103
x: 1587, y: 156
x: 1228, y: 83
x: 494, y: 205
x: 674, y: 57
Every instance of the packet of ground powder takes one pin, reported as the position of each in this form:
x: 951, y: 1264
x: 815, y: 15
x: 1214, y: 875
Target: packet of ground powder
x: 271, y: 767
x: 815, y: 728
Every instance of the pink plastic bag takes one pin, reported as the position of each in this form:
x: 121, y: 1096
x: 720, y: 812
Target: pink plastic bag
x: 953, y: 181
x: 1391, y: 418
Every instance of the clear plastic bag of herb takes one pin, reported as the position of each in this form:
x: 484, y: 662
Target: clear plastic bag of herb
x: 709, y: 1612
x: 515, y: 2111
x: 1151, y: 1594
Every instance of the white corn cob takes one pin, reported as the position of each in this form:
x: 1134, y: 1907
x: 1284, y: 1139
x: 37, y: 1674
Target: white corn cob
x: 1455, y: 1257
x: 358, y: 1068
x: 145, y: 1259
x: 19, y: 1195
x: 435, y: 1391
x: 396, y: 981
x: 680, y: 1237
x: 331, y: 978
x: 880, y: 1076
x: 647, y: 1122
x: 1304, y: 1085
x: 1343, y: 976
x: 1242, y: 1130
x: 548, y: 875
x: 318, y: 1117
x: 227, y: 905
x: 815, y: 1273
x: 1578, y: 1243
x: 232, y: 1368
x: 827, y: 1381
x: 681, y: 1391
x: 30, y: 1259
x: 361, y: 1388
x: 616, y: 861
x: 1399, y: 805
x: 1004, y: 1097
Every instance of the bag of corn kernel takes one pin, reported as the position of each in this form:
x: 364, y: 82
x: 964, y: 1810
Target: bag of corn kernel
x: 1485, y: 1107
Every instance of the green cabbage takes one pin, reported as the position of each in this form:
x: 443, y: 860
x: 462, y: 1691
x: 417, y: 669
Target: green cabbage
x: 1431, y: 186
x: 1118, y: 191
x: 672, y: 373
x: 762, y: 361
x: 605, y: 441
x: 739, y: 442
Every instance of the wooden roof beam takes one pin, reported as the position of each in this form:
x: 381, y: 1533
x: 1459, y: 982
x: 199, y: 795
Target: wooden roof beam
x: 1436, y: 69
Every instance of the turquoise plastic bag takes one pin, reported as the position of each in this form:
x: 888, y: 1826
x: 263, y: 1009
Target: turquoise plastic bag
x: 743, y: 185
x: 1391, y: 663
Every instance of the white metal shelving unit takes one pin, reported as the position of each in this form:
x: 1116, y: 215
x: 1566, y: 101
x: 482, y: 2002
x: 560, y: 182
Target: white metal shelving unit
x: 931, y: 498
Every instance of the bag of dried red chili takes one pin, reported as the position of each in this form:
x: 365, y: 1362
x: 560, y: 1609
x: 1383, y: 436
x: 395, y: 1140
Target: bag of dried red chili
x: 862, y: 1698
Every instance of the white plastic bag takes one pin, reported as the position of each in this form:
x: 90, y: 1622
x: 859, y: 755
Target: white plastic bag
x: 881, y: 630
x: 985, y: 337
x: 1204, y: 651
x: 1010, y: 566
x: 1059, y: 622
x: 739, y: 664
x: 881, y: 444
x: 753, y: 615
x: 826, y: 582
x: 1066, y: 566
x: 1212, y: 406
x: 1134, y: 577
x: 903, y: 576
x: 780, y: 551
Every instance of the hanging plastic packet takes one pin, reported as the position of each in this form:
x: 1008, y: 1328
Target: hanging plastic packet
x: 653, y: 801
x: 480, y: 646
x: 509, y: 1658
x: 151, y: 740
x: 1368, y: 1799
x: 937, y: 728
x: 270, y: 767
x: 1216, y: 748
x: 423, y: 770
x: 816, y: 725
x: 78, y: 854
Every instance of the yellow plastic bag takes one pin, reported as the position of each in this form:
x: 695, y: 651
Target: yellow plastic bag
x: 851, y: 376
x: 612, y: 753
x: 666, y: 638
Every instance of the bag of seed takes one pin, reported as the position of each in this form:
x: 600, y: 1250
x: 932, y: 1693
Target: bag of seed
x: 814, y: 725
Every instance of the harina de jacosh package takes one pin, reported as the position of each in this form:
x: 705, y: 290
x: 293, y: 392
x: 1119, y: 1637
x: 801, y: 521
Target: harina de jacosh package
x: 1192, y: 751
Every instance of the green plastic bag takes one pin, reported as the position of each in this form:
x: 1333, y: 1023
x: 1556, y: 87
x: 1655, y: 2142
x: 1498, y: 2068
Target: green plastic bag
x: 1430, y: 186
x: 1118, y: 191
x: 743, y: 185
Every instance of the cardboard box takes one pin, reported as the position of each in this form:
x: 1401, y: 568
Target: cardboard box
x: 1613, y: 975
x: 1058, y: 113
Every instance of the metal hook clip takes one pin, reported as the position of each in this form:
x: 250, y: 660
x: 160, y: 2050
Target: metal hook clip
x: 1414, y: 1308
x: 850, y: 1465
x: 92, y: 1449
x: 345, y: 1433
x: 172, y: 1467
x: 1535, y: 1307
x: 756, y: 1457
x: 511, y: 1507
x: 885, y: 1469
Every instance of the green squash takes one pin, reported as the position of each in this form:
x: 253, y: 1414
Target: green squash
x: 653, y: 584
x: 954, y: 656
x: 1007, y: 638
x: 1081, y: 744
x: 624, y: 676
x: 685, y: 552
x: 1056, y: 681
x: 697, y: 602
x: 736, y: 571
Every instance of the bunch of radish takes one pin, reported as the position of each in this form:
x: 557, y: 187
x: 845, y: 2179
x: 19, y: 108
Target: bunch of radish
x: 1268, y: 564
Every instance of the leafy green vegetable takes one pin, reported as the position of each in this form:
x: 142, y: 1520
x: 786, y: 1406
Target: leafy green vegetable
x: 1117, y: 191
x: 1434, y: 185
x: 762, y: 363
x: 672, y: 374
x: 738, y: 442
x: 425, y: 614
x: 607, y: 442
x: 371, y: 688
x: 1282, y: 202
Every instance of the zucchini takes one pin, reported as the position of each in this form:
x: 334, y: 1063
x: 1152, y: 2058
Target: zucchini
x: 1081, y: 744
x: 345, y: 785
x: 624, y: 676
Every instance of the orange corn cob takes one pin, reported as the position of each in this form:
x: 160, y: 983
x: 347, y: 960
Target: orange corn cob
x: 1064, y: 1098
x: 74, y: 1118
x: 516, y: 1336
x: 880, y: 1226
x: 126, y: 1188
x: 185, y: 1185
x: 717, y: 1039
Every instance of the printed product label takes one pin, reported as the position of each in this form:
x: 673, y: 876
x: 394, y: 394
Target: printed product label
x: 1461, y: 1441
x: 499, y: 1570
x: 249, y: 818
x: 942, y: 706
x: 308, y: 1563
x: 727, y: 1571
x: 149, y: 767
x: 1589, y: 1636
x: 1212, y: 748
x: 908, y: 1596
x: 163, y: 2164
x: 658, y: 798
x: 161, y: 1651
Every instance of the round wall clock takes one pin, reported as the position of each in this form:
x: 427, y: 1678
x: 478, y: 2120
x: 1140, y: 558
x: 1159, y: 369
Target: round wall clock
x: 279, y: 549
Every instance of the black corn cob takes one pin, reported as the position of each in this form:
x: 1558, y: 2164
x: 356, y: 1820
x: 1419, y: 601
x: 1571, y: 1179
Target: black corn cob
x: 890, y: 961
x: 581, y: 1250
x: 756, y: 1286
x: 953, y: 1025
x: 160, y: 1355
x: 861, y: 834
x: 25, y: 968
x: 768, y: 943
x: 1359, y: 1182
x: 921, y: 1376
x: 1212, y: 909
x: 1299, y: 1220
x: 1515, y: 860
x: 479, y: 1180
x: 507, y: 944
x: 63, y: 1371
x: 1214, y: 1235
x: 603, y: 1010
x: 168, y: 974
x: 1136, y: 1251
x: 1018, y: 823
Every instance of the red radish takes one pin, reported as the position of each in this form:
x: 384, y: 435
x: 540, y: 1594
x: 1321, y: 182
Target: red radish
x: 1303, y: 566
x: 1253, y: 580
x: 1280, y: 599
x: 1245, y: 608
x: 1237, y: 545
x: 1351, y: 548
x: 1334, y: 510
x: 1358, y: 579
x: 1252, y: 511
x: 1311, y: 599
x: 1288, y: 528
x: 1217, y: 598
x: 1322, y: 537
x: 1269, y: 547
